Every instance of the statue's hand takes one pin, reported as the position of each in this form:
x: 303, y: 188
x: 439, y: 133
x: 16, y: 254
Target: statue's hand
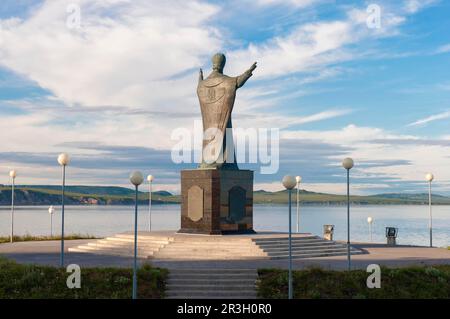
x: 200, y: 75
x: 241, y: 79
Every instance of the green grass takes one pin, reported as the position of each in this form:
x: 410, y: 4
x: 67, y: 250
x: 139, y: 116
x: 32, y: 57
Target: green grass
x: 19, y: 281
x: 316, y: 283
x: 28, y: 237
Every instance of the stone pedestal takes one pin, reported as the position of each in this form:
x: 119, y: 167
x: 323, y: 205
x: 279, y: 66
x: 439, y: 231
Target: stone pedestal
x: 215, y: 201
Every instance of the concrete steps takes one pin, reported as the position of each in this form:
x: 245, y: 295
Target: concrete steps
x: 202, y: 247
x: 302, y: 247
x: 123, y: 245
x: 212, y: 284
x: 222, y: 248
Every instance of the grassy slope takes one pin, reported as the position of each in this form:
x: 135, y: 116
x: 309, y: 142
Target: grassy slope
x: 30, y: 281
x: 410, y: 283
x: 330, y: 199
x: 6, y: 239
x: 118, y: 195
x: 53, y: 196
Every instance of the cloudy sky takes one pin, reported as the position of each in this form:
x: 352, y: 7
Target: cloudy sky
x: 111, y: 91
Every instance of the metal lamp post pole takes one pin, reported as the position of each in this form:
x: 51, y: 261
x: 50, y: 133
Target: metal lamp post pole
x: 298, y: 179
x: 348, y: 164
x: 430, y: 177
x: 370, y: 221
x: 290, y: 245
x: 289, y: 183
x: 51, y: 225
x: 13, y: 176
x: 348, y: 220
x: 150, y: 206
x: 298, y: 207
x: 51, y: 210
x: 63, y: 160
x: 62, y: 213
x: 135, y: 245
x: 431, y: 214
x: 136, y: 179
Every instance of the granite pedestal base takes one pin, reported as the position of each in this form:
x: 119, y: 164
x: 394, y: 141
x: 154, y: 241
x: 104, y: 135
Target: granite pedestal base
x: 215, y: 201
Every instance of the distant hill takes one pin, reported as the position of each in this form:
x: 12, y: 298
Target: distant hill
x: 313, y: 198
x: 81, y: 195
x: 416, y: 197
x: 93, y: 190
x: 112, y: 195
x: 98, y: 190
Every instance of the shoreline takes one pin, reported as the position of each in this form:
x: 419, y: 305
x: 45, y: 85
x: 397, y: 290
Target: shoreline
x: 19, y: 206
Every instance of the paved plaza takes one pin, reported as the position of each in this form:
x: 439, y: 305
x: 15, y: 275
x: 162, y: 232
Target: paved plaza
x: 47, y: 253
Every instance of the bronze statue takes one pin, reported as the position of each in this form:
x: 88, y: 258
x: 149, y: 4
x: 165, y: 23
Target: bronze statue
x: 216, y: 94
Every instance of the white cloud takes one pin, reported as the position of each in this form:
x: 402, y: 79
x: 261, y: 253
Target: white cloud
x: 315, y: 46
x: 443, y: 49
x: 303, y: 49
x: 268, y: 120
x: 432, y: 118
x: 325, y: 115
x: 413, y: 6
x: 140, y: 56
x: 370, y: 144
x: 346, y: 136
x: 122, y: 54
x: 295, y: 3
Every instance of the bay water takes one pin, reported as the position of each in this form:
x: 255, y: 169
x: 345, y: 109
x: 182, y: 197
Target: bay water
x: 412, y: 221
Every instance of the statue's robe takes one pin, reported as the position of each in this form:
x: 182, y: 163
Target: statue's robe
x: 216, y: 94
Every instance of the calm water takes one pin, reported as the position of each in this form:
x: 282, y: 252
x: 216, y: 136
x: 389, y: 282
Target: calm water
x: 412, y: 221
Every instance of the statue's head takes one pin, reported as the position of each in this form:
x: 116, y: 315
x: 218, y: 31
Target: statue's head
x: 218, y: 62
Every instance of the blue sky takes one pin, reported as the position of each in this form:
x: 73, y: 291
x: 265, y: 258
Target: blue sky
x: 111, y: 91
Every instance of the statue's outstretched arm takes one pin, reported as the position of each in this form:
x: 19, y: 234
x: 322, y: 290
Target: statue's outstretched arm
x: 200, y: 75
x: 241, y: 79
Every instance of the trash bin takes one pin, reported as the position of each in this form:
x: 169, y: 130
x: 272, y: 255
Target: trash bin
x: 391, y: 235
x: 328, y: 231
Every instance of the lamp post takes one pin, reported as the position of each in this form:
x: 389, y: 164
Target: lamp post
x: 430, y: 177
x: 370, y: 221
x: 63, y: 160
x: 298, y: 179
x: 289, y: 183
x: 348, y: 163
x: 51, y: 210
x: 136, y: 179
x: 13, y: 175
x: 150, y: 180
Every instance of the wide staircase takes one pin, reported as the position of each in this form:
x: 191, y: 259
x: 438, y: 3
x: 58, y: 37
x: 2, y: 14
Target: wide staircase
x: 123, y: 245
x: 210, y: 248
x: 172, y: 246
x: 302, y: 247
x: 212, y: 284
